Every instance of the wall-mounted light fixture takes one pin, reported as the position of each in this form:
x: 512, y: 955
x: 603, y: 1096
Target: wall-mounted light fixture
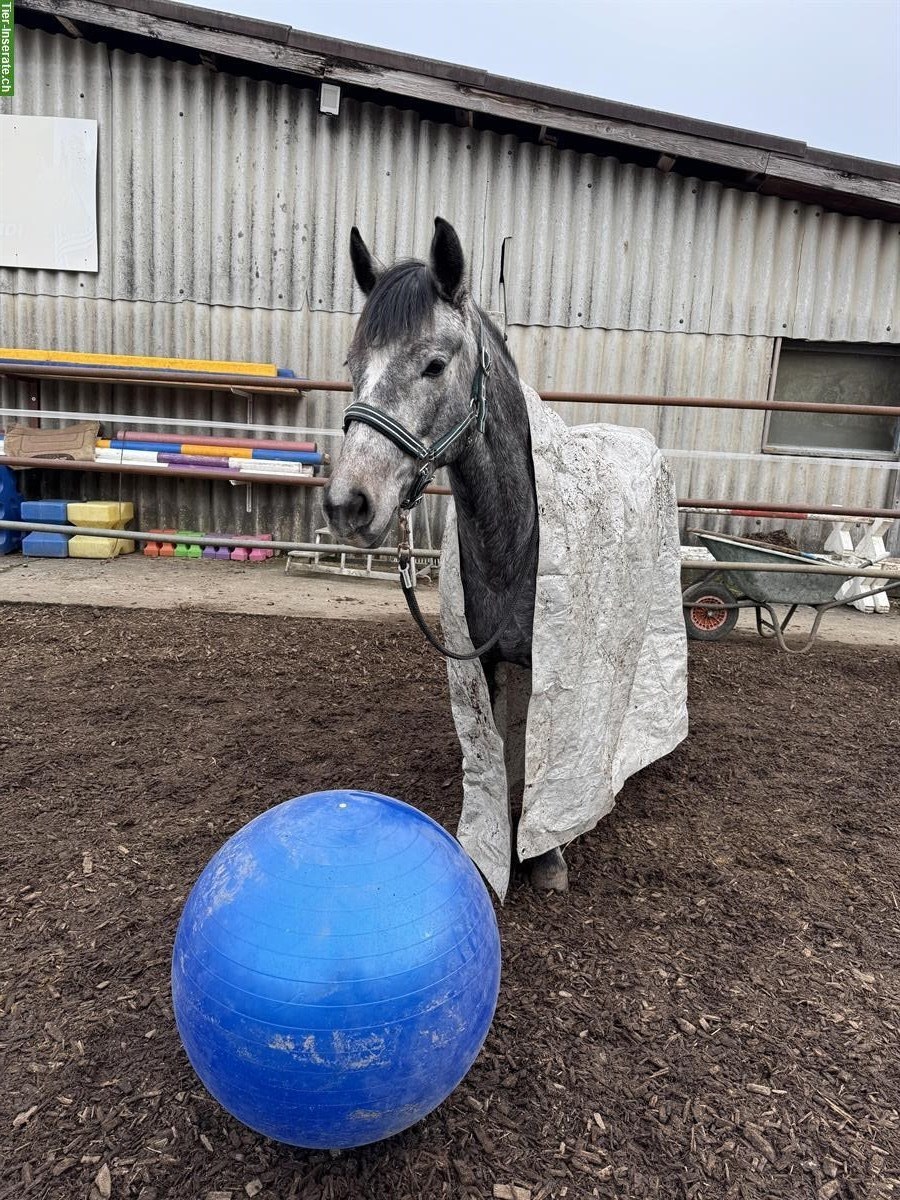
x: 330, y: 99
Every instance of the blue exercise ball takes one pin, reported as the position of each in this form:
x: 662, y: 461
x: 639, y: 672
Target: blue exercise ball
x: 336, y: 970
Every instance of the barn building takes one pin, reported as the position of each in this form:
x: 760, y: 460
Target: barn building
x: 624, y: 251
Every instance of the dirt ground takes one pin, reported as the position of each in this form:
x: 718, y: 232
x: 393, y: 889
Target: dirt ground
x: 133, y: 581
x: 713, y: 1011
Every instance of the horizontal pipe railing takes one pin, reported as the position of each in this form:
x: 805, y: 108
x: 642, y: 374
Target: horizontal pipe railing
x: 250, y: 543
x: 753, y: 508
x: 181, y: 539
x: 161, y: 471
x: 146, y: 375
x: 705, y: 564
x: 727, y: 507
x: 861, y: 410
x: 282, y: 383
x: 812, y: 515
x: 120, y: 421
x: 175, y: 472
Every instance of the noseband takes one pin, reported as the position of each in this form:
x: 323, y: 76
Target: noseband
x: 426, y: 464
x: 427, y: 456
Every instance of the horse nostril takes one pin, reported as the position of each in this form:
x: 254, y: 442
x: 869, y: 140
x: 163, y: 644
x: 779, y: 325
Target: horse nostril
x: 359, y: 508
x: 351, y: 509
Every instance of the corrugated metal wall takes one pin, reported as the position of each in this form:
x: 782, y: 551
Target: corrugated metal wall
x: 225, y: 207
x: 599, y: 244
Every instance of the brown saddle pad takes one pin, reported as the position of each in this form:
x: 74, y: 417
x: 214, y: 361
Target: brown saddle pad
x: 74, y: 442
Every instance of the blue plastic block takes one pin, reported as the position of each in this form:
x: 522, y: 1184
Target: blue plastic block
x: 46, y: 545
x: 10, y: 506
x: 49, y: 512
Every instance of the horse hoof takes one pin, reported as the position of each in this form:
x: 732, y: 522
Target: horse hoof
x: 549, y: 873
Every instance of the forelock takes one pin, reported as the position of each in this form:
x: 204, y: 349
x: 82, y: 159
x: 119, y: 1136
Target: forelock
x: 400, y: 303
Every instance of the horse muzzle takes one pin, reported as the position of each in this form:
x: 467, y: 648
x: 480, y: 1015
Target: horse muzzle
x: 353, y: 514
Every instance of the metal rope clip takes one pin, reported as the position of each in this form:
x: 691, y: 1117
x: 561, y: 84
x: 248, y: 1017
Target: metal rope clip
x: 426, y: 469
x: 404, y: 557
x: 424, y: 476
x: 481, y: 410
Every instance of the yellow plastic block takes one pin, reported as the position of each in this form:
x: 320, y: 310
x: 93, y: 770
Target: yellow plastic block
x: 83, y: 546
x: 100, y: 514
x: 208, y: 366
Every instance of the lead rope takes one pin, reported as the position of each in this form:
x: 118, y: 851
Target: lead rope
x: 407, y: 569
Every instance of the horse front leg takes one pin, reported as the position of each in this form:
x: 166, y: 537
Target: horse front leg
x: 509, y: 687
x: 548, y: 872
x: 494, y: 674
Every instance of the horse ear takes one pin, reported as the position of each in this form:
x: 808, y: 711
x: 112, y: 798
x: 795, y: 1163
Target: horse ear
x: 447, y: 260
x: 366, y: 267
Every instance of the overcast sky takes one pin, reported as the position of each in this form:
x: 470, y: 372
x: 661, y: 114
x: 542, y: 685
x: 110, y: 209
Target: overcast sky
x: 824, y: 71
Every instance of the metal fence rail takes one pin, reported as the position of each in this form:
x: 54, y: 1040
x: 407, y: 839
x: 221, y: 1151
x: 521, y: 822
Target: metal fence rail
x: 250, y: 543
x: 742, y: 507
x: 287, y: 385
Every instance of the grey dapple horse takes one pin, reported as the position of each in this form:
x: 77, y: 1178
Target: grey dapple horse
x: 434, y: 386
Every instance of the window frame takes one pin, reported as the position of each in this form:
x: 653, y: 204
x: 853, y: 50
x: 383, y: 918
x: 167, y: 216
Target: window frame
x: 874, y: 350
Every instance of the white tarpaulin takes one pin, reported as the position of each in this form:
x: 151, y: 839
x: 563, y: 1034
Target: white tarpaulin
x: 607, y: 692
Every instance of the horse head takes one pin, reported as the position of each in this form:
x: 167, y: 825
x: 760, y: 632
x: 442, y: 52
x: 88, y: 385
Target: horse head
x: 413, y: 359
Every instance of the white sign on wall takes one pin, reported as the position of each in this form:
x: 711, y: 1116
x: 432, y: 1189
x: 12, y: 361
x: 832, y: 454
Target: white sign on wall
x: 48, y: 193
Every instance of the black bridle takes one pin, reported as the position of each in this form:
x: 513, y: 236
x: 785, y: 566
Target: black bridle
x: 427, y: 456
x: 426, y: 464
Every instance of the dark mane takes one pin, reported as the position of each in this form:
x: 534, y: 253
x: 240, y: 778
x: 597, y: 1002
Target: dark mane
x: 399, y: 304
x: 500, y: 343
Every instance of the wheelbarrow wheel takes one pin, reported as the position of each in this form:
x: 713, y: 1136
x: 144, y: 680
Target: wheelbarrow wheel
x: 705, y: 615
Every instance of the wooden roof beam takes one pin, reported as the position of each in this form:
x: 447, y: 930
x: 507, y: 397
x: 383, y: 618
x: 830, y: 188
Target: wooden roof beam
x: 852, y: 183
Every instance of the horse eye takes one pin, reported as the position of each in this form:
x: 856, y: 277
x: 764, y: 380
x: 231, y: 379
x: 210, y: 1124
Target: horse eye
x: 434, y: 368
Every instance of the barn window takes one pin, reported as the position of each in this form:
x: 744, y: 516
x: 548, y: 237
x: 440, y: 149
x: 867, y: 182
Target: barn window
x: 834, y: 373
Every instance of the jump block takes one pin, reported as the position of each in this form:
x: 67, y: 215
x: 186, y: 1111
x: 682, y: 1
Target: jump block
x: 82, y: 545
x: 47, y: 512
x: 160, y: 549
x: 163, y: 549
x: 46, y: 545
x: 186, y: 549
x: 99, y: 514
x: 260, y: 555
x: 10, y: 510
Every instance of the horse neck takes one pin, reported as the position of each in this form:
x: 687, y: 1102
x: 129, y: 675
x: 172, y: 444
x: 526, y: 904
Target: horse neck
x: 493, y: 481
